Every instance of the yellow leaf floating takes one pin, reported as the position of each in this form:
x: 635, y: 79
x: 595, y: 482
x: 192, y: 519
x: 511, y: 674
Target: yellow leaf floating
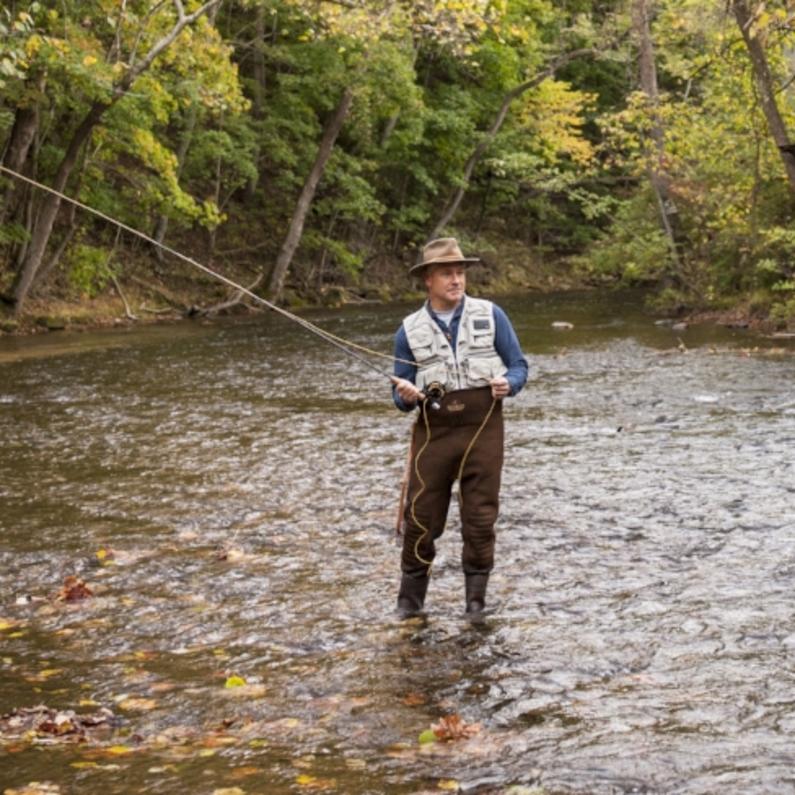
x: 235, y: 681
x: 448, y: 785
x: 119, y: 750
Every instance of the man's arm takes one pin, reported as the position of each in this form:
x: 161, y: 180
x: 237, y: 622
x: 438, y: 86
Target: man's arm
x: 403, y: 371
x: 507, y: 346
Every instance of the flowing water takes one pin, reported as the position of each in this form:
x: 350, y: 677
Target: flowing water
x: 243, y: 477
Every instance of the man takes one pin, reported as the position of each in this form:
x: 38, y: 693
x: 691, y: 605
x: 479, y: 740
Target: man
x: 456, y: 359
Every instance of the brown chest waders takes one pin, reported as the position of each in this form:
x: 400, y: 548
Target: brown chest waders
x: 438, y: 452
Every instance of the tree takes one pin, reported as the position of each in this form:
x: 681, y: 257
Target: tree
x: 641, y: 13
x: 128, y: 71
x: 749, y: 21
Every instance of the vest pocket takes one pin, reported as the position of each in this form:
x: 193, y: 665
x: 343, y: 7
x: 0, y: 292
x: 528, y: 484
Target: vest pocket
x: 484, y: 368
x: 421, y: 344
x: 481, y: 341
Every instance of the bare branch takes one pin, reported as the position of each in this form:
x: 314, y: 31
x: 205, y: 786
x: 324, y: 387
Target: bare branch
x: 162, y: 44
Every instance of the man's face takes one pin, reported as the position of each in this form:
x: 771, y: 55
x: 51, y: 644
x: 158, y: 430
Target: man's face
x: 446, y: 285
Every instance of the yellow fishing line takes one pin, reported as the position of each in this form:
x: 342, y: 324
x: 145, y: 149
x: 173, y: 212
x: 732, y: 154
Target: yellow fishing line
x: 471, y: 444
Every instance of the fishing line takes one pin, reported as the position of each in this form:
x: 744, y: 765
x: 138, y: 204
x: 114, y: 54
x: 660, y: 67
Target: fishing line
x: 425, y: 530
x: 347, y: 346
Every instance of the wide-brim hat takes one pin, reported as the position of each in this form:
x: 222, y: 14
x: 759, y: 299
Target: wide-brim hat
x: 442, y: 251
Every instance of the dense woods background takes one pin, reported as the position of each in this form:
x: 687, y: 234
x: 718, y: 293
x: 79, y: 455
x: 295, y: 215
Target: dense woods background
x: 309, y: 148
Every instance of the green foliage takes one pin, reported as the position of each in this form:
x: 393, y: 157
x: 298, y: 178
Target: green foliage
x: 14, y: 30
x: 12, y: 233
x: 221, y: 132
x: 723, y: 171
x: 88, y: 269
x: 634, y: 249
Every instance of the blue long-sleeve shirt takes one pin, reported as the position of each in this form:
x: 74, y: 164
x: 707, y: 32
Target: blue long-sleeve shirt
x: 506, y: 344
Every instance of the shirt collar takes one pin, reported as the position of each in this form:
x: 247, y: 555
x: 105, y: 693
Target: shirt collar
x: 456, y: 312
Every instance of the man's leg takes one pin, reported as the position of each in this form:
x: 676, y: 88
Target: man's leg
x: 427, y: 502
x: 480, y: 493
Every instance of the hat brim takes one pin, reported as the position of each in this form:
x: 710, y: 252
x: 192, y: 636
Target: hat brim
x: 420, y: 266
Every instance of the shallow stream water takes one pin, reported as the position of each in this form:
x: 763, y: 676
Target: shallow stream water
x: 228, y: 493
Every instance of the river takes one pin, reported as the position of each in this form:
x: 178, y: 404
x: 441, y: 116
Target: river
x: 227, y: 491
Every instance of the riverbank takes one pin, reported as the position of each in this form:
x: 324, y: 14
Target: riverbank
x: 144, y: 294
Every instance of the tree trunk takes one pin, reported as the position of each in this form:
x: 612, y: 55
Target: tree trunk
x: 71, y: 229
x: 453, y: 204
x: 258, y: 89
x: 50, y: 206
x: 648, y: 84
x: 767, y: 88
x: 332, y: 129
x: 23, y: 132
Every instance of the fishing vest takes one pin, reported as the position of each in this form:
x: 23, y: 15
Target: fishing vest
x: 473, y: 363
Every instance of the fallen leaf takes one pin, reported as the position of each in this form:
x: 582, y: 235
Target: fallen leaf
x: 31, y: 723
x: 312, y: 782
x: 247, y: 691
x: 138, y: 704
x: 428, y: 736
x: 35, y: 788
x: 105, y: 555
x: 238, y: 773
x: 453, y: 727
x: 448, y: 785
x: 218, y: 741
x: 74, y: 589
x: 120, y: 750
x: 235, y: 681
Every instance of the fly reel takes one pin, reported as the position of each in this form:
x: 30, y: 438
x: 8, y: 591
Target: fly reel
x: 434, y: 393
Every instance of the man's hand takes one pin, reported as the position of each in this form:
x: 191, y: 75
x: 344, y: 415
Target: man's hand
x: 408, y: 392
x: 500, y: 387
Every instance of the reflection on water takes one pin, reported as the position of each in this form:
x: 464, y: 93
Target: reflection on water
x: 246, y: 478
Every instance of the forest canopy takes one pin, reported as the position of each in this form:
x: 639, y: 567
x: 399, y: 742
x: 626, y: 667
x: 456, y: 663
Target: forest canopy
x: 304, y: 147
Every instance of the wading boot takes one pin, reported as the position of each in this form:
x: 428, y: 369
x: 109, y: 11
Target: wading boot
x: 411, y: 596
x: 475, y: 585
